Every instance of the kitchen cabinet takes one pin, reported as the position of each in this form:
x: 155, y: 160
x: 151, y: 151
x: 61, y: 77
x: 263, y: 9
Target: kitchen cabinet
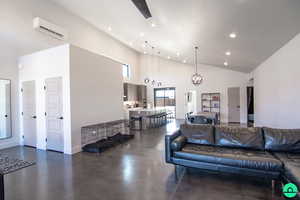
x: 142, y: 92
x: 142, y: 95
x: 134, y: 92
x: 130, y: 92
x: 125, y: 87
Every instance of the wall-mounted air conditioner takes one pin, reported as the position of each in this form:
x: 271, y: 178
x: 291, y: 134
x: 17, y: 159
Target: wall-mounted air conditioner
x: 49, y: 28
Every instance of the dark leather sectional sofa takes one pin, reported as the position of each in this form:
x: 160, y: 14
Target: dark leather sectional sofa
x: 261, y: 152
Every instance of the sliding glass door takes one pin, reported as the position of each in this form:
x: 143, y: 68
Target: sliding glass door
x: 165, y: 98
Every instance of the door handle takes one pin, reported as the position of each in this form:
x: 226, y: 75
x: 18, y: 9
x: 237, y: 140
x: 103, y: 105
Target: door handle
x: 33, y: 117
x: 61, y: 118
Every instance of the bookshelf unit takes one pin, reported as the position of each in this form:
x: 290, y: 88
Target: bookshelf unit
x: 211, y: 103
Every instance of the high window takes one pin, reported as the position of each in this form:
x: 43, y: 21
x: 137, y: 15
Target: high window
x: 125, y: 69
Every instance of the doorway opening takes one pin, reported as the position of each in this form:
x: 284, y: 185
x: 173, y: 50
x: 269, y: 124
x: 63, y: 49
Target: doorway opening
x: 191, y: 101
x: 166, y: 98
x: 250, y: 105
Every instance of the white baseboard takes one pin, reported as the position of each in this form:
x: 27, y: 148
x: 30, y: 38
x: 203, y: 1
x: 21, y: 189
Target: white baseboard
x: 7, y: 144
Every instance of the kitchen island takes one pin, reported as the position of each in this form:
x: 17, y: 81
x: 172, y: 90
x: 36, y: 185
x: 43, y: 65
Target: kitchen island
x: 145, y: 115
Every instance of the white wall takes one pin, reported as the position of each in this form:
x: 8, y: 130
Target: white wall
x: 96, y: 91
x: 8, y: 70
x: 92, y: 89
x: 39, y: 66
x: 16, y: 29
x: 276, y: 88
x: 178, y: 75
x: 16, y: 25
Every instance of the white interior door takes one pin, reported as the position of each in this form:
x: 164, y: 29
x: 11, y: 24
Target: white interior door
x: 234, y: 105
x: 8, y: 111
x: 2, y: 110
x: 54, y: 114
x: 29, y: 113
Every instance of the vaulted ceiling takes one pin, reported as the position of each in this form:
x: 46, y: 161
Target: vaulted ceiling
x: 261, y: 27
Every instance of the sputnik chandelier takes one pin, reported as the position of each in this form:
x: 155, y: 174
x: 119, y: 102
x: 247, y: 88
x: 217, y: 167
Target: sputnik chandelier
x: 197, y: 79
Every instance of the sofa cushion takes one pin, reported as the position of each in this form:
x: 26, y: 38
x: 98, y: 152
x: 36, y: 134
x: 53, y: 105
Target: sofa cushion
x: 288, y: 157
x: 198, y: 133
x: 291, y: 164
x: 285, y: 140
x: 243, y: 158
x: 232, y: 136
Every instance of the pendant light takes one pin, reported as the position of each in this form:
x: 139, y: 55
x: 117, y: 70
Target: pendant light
x: 146, y: 79
x: 153, y: 82
x: 158, y: 83
x: 196, y: 78
x: 151, y: 62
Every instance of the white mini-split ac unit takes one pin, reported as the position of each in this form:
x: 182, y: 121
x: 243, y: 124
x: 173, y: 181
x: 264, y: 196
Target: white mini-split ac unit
x: 49, y: 28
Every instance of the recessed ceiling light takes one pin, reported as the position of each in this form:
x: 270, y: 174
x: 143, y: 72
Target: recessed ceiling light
x: 178, y: 54
x: 130, y: 43
x: 226, y: 63
x: 228, y: 53
x: 184, y: 61
x: 153, y: 24
x: 169, y: 57
x: 145, y: 52
x: 142, y: 34
x: 232, y: 35
x: 109, y: 28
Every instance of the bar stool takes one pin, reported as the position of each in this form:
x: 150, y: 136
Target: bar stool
x: 151, y: 121
x: 133, y: 120
x: 157, y: 120
x: 165, y: 120
x: 169, y: 115
x: 160, y: 119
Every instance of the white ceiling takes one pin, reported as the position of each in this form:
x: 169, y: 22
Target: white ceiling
x: 262, y: 27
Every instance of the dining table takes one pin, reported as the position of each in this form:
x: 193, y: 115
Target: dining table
x: 209, y: 115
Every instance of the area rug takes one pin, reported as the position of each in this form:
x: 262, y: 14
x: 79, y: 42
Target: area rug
x: 8, y: 164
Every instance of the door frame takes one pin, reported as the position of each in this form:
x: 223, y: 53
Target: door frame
x: 35, y: 114
x: 62, y: 112
x: 239, y: 89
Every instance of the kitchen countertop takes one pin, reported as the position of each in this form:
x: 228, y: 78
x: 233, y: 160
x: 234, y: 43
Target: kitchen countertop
x: 143, y: 112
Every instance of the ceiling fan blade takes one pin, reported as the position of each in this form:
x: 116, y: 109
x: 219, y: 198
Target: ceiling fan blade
x: 143, y: 7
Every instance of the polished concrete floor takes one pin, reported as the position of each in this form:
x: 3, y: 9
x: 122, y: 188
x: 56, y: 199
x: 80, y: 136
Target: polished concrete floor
x: 132, y: 171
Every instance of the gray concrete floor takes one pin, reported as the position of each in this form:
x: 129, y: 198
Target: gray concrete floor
x: 132, y: 171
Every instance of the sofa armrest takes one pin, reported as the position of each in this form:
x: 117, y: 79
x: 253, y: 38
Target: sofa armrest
x: 168, y: 140
x: 178, y: 143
